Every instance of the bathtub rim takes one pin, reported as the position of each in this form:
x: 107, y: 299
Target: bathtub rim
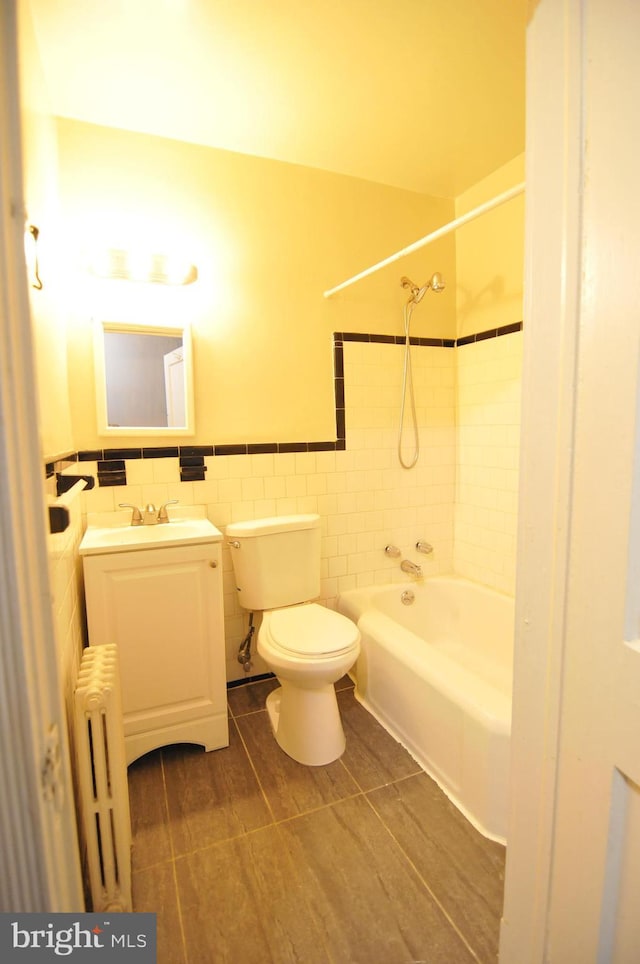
x: 360, y: 594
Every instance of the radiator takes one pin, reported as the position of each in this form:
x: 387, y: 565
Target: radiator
x: 102, y: 779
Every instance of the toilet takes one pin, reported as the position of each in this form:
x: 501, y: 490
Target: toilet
x: 276, y: 563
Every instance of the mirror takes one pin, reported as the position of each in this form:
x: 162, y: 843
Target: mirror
x: 144, y: 382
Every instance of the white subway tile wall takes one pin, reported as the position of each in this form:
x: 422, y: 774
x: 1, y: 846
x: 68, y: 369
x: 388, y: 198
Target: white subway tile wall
x: 65, y: 571
x: 365, y: 498
x: 488, y: 411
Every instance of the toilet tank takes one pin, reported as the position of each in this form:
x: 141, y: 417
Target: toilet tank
x: 276, y: 561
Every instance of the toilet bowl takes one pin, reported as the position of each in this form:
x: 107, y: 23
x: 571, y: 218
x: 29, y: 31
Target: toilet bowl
x: 276, y: 562
x: 309, y: 648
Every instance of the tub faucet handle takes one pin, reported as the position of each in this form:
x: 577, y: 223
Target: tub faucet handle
x: 392, y: 551
x: 423, y: 546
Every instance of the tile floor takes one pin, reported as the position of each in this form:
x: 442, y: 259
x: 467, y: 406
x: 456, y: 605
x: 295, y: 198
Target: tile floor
x: 248, y: 857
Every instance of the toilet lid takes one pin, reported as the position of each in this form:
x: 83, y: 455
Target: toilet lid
x: 312, y: 630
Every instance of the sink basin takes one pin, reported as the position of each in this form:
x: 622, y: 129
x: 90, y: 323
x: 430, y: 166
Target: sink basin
x: 127, y: 538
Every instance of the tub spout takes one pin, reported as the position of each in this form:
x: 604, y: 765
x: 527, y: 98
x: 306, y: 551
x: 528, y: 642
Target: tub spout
x: 411, y: 567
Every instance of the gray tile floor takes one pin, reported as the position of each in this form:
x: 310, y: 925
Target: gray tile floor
x: 248, y: 857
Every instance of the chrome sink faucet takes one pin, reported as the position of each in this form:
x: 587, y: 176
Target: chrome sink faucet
x: 411, y: 567
x: 149, y: 516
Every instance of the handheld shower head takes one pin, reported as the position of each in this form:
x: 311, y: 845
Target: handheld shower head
x: 417, y: 294
x: 408, y: 283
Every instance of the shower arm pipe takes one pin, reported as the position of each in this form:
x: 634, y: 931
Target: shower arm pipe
x: 439, y: 233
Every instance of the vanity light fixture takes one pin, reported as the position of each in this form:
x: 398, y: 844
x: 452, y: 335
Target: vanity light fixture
x: 117, y: 263
x: 31, y: 234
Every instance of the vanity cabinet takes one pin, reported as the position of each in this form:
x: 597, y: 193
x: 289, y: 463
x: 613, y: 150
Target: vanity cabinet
x: 163, y: 609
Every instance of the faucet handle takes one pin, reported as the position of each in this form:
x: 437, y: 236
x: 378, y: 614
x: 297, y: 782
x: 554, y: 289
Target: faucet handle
x: 136, y: 515
x: 162, y: 511
x: 392, y: 551
x: 423, y: 546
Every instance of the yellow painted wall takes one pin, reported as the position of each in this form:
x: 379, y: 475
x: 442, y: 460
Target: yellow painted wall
x: 41, y: 201
x: 268, y: 238
x: 490, y: 254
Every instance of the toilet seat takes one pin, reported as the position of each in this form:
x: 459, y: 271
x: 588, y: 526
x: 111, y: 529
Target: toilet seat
x: 310, y: 631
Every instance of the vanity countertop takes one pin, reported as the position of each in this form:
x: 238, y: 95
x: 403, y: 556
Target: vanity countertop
x: 113, y: 532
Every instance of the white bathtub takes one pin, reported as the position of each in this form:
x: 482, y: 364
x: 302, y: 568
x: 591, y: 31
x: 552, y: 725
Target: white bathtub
x: 437, y: 675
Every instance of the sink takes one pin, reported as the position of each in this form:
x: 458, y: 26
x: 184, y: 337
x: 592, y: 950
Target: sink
x: 112, y: 535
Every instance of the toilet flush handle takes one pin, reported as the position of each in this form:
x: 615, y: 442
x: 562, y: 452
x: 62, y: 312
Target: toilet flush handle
x: 233, y: 544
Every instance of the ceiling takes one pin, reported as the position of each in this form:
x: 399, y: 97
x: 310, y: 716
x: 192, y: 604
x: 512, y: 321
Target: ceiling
x: 426, y: 95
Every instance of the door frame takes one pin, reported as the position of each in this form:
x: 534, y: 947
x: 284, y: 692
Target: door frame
x: 38, y: 831
x: 562, y: 38
x: 551, y: 316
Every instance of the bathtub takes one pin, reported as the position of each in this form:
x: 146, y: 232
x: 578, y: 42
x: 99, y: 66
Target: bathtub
x: 436, y: 673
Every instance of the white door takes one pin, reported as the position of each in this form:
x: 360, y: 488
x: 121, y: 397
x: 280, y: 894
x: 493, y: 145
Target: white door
x: 573, y: 874
x: 174, y: 388
x: 595, y: 884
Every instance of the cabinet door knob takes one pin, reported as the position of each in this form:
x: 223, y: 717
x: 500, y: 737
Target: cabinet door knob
x: 213, y: 564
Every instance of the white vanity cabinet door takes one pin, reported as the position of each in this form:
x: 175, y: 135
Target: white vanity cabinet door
x: 163, y: 609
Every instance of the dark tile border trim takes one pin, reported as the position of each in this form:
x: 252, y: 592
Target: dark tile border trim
x: 490, y: 333
x: 160, y: 452
x: 230, y: 449
x: 395, y: 339
x: 427, y: 342
x: 338, y: 390
x: 115, y: 474
x: 262, y: 448
x: 191, y: 450
x: 114, y: 455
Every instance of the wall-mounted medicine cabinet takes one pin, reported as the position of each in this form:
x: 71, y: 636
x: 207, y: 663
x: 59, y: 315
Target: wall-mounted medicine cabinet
x: 144, y: 379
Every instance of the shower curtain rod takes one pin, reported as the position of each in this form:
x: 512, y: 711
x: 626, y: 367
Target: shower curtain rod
x: 440, y: 233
